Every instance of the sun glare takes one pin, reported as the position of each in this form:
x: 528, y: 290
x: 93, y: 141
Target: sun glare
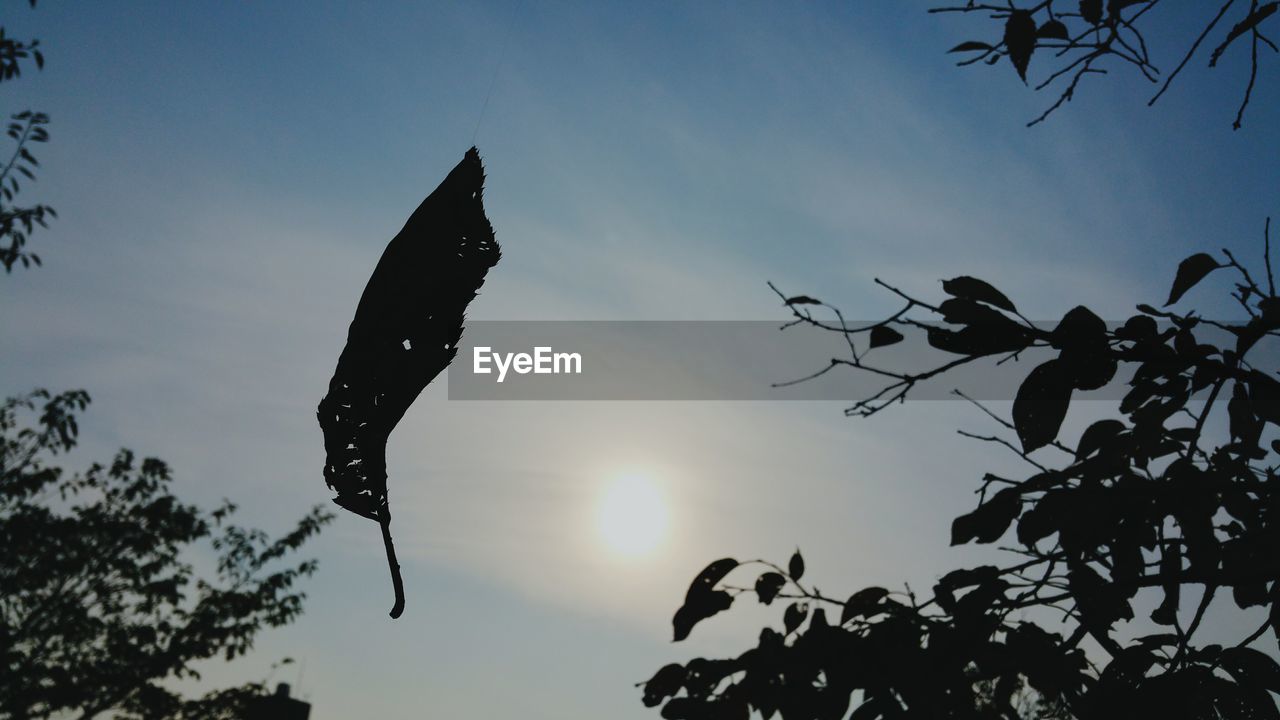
x: 631, y: 515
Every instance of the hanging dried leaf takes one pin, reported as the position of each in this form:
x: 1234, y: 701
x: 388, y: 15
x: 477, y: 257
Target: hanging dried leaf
x: 405, y: 333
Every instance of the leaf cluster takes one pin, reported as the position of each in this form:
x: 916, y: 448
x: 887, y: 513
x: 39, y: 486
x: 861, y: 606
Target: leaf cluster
x: 14, y: 52
x: 1084, y: 37
x: 1148, y: 501
x: 102, y: 606
x: 24, y: 128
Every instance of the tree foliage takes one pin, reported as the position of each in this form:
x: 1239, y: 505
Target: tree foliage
x: 1070, y: 39
x: 102, y: 608
x: 102, y: 605
x: 25, y: 129
x: 1152, y: 500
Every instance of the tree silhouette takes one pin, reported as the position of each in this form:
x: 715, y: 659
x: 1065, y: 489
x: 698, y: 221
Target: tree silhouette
x: 100, y: 606
x: 24, y: 128
x: 1157, y: 500
x: 1086, y: 37
x: 1147, y: 501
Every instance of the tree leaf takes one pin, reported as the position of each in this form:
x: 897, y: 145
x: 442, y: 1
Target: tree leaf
x: 1264, y: 392
x: 1241, y: 421
x: 768, y: 586
x: 1020, y: 40
x: 795, y: 568
x: 989, y: 521
x: 664, y: 683
x: 1100, y: 603
x: 963, y: 311
x: 861, y: 603
x: 1252, y: 667
x: 1138, y: 327
x: 684, y: 708
x: 794, y: 616
x: 971, y: 288
x: 981, y: 339
x: 1086, y: 358
x: 1044, y: 517
x: 1054, y: 30
x: 702, y: 600
x: 1079, y: 329
x: 803, y: 300
x: 882, y: 335
x: 970, y: 46
x: 710, y: 575
x: 1041, y: 405
x: 1191, y: 271
x: 699, y: 608
x: 1096, y: 436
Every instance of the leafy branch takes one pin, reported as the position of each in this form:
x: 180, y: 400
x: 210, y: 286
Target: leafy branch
x: 1082, y: 40
x: 1140, y: 503
x: 16, y: 223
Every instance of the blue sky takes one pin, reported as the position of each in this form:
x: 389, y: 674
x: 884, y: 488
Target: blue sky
x: 227, y: 174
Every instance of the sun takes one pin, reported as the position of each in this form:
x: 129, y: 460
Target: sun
x: 631, y: 515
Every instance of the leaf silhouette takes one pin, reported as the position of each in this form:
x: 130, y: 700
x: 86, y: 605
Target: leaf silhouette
x: 698, y: 608
x: 803, y: 300
x: 989, y: 521
x: 981, y: 339
x: 1020, y: 40
x: 418, y: 292
x: 1252, y: 667
x: 768, y: 586
x: 1091, y: 11
x: 1138, y: 327
x: 663, y: 684
x: 1041, y: 405
x: 1082, y: 337
x: 1054, y: 30
x: 710, y: 575
x: 970, y: 46
x: 1043, y: 518
x: 702, y: 600
x: 1191, y: 271
x: 1080, y: 328
x: 794, y: 616
x: 1264, y: 391
x: 1096, y: 436
x: 963, y: 311
x: 971, y: 288
x: 795, y: 568
x: 1241, y: 421
x: 882, y: 335
x: 861, y: 603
